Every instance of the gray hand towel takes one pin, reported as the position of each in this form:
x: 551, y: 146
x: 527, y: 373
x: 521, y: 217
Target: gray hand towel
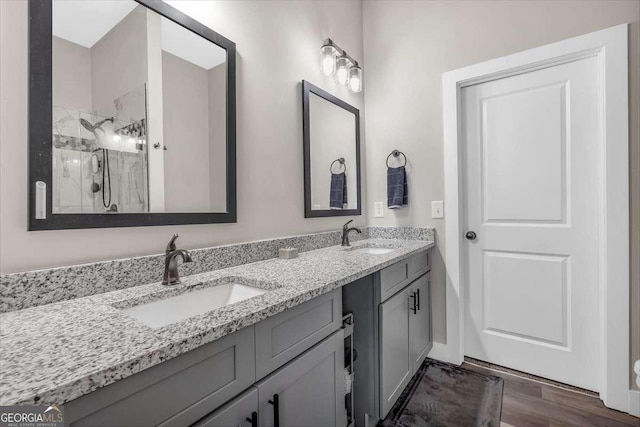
x: 397, y: 193
x: 338, y: 196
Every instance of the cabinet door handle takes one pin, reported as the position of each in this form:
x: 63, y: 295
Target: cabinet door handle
x: 254, y: 419
x: 276, y: 410
x: 415, y: 307
x: 418, y: 299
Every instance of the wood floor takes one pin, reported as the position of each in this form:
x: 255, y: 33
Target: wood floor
x: 536, y: 403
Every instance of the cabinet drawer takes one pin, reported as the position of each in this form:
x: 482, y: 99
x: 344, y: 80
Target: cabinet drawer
x: 282, y: 337
x: 397, y: 276
x: 419, y: 264
x: 393, y: 278
x: 190, y: 385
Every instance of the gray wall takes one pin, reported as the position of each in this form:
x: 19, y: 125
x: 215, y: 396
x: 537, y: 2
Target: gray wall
x: 278, y: 46
x: 119, y: 59
x: 185, y: 100
x: 218, y: 137
x: 71, y: 75
x: 409, y: 44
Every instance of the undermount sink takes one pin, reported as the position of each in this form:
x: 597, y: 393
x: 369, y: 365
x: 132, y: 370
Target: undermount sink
x: 374, y: 250
x: 175, y: 308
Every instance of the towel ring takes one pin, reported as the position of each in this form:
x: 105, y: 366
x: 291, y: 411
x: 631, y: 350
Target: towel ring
x: 397, y: 153
x: 341, y: 161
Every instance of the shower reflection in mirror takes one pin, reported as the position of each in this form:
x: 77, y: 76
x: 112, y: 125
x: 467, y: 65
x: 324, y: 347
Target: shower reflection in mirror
x: 99, y: 159
x: 127, y: 84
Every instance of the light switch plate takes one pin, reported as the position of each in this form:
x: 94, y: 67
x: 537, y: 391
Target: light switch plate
x: 437, y: 209
x: 378, y: 210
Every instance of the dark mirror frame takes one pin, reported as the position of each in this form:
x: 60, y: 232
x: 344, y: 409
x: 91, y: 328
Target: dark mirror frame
x: 308, y: 88
x: 41, y: 120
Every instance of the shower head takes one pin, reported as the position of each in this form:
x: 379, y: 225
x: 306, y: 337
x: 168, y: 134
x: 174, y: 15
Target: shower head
x: 88, y: 126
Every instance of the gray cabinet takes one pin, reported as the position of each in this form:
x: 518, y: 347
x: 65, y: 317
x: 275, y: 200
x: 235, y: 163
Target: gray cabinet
x: 309, y: 391
x: 397, y: 276
x: 281, y: 338
x: 240, y: 412
x: 193, y: 387
x: 393, y: 279
x: 395, y: 341
x: 405, y: 339
x: 391, y: 338
x: 177, y: 392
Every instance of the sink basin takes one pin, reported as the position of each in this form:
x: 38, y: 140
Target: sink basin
x: 374, y: 251
x: 175, y: 308
x: 371, y: 249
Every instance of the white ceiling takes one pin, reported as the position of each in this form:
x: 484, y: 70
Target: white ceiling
x: 85, y: 22
x: 191, y: 47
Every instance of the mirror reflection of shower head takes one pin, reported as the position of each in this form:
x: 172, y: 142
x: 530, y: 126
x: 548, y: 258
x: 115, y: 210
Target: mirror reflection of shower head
x: 88, y: 126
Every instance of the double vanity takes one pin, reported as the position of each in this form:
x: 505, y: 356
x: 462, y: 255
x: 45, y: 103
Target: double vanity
x: 264, y: 343
x: 244, y: 338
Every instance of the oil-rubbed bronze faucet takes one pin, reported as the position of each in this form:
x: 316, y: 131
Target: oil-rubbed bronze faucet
x: 171, y: 276
x: 345, y: 233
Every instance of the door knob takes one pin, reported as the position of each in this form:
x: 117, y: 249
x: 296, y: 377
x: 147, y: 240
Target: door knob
x: 471, y: 235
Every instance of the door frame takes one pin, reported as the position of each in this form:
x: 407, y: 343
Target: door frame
x: 609, y: 46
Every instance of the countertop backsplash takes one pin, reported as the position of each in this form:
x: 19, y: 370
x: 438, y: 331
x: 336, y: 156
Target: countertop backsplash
x: 34, y: 288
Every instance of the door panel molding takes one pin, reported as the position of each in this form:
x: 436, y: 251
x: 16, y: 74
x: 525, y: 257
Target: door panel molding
x: 609, y: 46
x: 557, y: 318
x: 521, y: 212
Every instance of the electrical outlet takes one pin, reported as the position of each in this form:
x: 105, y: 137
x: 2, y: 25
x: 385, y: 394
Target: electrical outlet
x: 378, y: 210
x: 437, y: 209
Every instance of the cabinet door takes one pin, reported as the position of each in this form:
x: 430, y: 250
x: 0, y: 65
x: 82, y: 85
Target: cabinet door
x: 309, y: 391
x: 240, y: 412
x: 395, y: 361
x: 420, y: 321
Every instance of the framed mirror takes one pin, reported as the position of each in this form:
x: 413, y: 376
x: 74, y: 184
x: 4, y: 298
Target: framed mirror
x: 331, y: 136
x: 131, y: 116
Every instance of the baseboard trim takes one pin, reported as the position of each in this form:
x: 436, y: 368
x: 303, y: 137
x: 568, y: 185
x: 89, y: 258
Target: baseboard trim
x: 634, y: 402
x: 442, y: 353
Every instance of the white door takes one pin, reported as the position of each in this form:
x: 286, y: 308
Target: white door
x: 531, y: 180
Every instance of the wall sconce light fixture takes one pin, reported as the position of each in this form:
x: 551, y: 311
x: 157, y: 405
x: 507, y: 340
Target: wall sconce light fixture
x: 335, y: 61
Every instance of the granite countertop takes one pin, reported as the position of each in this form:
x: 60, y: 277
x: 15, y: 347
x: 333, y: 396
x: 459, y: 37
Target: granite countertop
x: 58, y: 352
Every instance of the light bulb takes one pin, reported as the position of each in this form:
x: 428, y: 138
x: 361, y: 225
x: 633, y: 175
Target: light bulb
x: 342, y: 70
x: 116, y: 138
x: 328, y: 63
x: 355, y: 79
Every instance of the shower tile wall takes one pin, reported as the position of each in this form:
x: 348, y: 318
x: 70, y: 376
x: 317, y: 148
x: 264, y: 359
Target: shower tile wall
x: 74, y: 147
